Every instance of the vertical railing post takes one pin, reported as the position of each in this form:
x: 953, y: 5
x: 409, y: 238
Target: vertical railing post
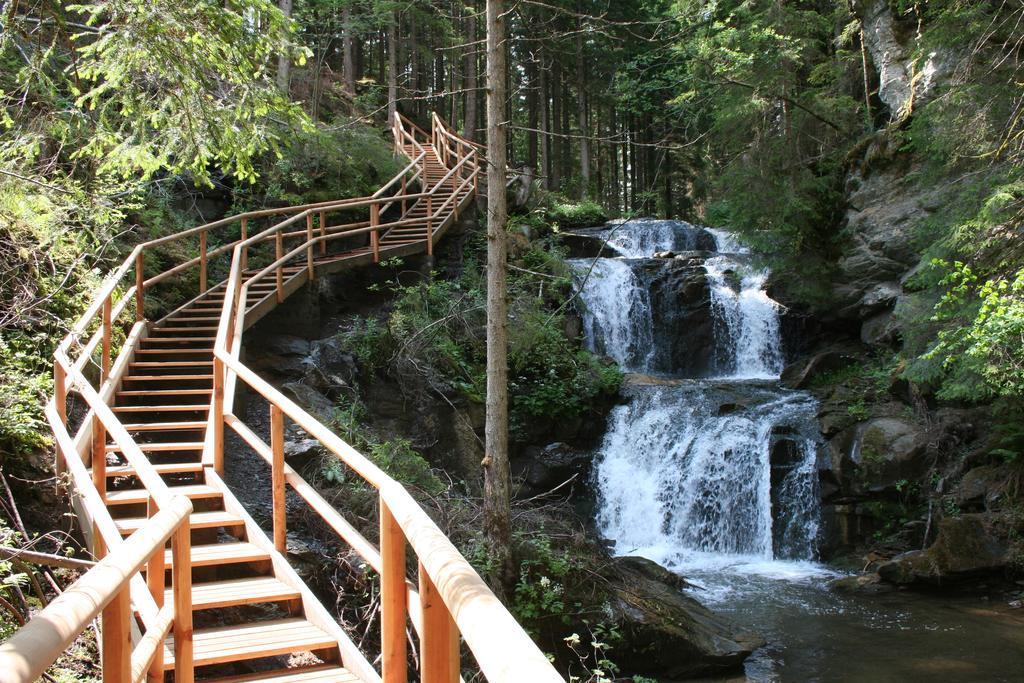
x: 140, y: 287
x: 323, y: 232
x: 374, y: 237
x: 277, y: 478
x: 99, y: 457
x: 107, y: 323
x: 60, y: 399
x: 156, y: 581
x: 309, y: 244
x: 405, y: 192
x: 181, y: 581
x: 218, y: 411
x: 392, y: 598
x: 439, y: 642
x: 116, y: 638
x: 279, y: 273
x: 430, y: 225
x: 202, y: 262
x: 244, y: 235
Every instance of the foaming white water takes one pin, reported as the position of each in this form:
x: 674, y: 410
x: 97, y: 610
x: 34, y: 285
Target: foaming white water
x: 726, y: 242
x: 688, y: 469
x: 747, y: 320
x: 617, y: 318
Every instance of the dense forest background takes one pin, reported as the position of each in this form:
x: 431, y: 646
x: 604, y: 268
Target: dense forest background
x: 870, y: 151
x: 747, y: 114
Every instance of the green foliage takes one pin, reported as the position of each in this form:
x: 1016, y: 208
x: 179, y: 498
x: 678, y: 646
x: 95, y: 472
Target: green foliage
x: 568, y: 215
x: 436, y: 330
x: 395, y: 456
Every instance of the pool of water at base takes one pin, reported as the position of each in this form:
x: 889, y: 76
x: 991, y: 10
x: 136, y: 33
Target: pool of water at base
x: 816, y: 634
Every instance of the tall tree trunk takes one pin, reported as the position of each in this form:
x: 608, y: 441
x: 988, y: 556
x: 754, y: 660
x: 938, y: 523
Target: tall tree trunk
x: 348, y: 51
x: 472, y: 76
x: 666, y: 169
x: 284, y: 62
x: 545, y: 123
x: 392, y: 67
x: 565, y: 153
x: 531, y: 111
x: 581, y: 90
x: 497, y: 500
x: 557, y: 141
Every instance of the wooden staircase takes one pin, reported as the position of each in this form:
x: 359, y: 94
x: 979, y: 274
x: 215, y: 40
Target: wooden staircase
x: 146, y: 465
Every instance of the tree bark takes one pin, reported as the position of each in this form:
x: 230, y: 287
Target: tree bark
x: 545, y: 123
x: 581, y: 90
x: 472, y: 76
x: 348, y: 68
x: 392, y: 67
x: 284, y: 62
x: 497, y: 502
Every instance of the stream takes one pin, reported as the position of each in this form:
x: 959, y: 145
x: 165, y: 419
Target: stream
x: 712, y: 471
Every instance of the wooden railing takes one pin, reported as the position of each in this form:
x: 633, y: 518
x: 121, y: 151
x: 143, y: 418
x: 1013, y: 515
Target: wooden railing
x: 447, y: 598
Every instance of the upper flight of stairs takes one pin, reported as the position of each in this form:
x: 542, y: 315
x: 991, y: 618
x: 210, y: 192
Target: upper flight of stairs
x: 249, y: 610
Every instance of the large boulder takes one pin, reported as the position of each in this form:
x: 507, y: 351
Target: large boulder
x: 668, y: 634
x: 682, y: 319
x: 965, y: 548
x: 891, y: 450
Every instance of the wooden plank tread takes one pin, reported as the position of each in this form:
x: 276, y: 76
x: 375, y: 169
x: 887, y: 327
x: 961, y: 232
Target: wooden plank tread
x: 161, y: 426
x: 164, y: 378
x: 233, y: 592
x: 193, y: 491
x: 192, y: 408
x: 208, y: 555
x: 197, y: 520
x: 163, y: 468
x: 313, y: 675
x: 252, y: 641
x: 161, y: 447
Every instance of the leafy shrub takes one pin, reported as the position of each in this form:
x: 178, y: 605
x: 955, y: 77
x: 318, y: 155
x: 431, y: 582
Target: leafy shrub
x: 568, y: 215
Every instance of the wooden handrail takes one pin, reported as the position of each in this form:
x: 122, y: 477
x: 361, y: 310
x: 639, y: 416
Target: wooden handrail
x: 445, y: 598
x: 35, y: 646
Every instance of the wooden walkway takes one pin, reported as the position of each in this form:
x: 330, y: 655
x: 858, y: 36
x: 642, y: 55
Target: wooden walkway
x: 146, y: 465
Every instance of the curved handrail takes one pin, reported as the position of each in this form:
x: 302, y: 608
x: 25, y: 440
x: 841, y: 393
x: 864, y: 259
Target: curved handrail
x: 449, y: 597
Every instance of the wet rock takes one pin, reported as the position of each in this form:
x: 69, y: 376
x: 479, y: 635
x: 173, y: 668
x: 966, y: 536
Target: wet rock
x: 310, y: 399
x: 300, y: 452
x: 891, y: 450
x: 584, y: 244
x: 879, y: 330
x: 668, y: 634
x: 664, y: 254
x: 861, y: 583
x: 545, y: 468
x: 681, y: 315
x: 965, y: 548
x: 982, y: 487
x: 801, y: 374
x: 285, y: 345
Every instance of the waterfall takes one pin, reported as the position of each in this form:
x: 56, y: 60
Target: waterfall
x: 697, y: 472
x: 685, y: 472
x: 747, y: 320
x: 617, y: 320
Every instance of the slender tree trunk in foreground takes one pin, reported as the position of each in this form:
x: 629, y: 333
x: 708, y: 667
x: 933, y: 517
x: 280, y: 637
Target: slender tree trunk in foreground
x: 497, y: 506
x: 284, y: 62
x: 392, y: 67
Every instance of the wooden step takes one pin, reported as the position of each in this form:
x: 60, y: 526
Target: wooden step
x: 252, y: 641
x: 197, y: 520
x: 159, y: 352
x: 171, y: 364
x: 139, y: 393
x: 214, y: 554
x: 163, y: 468
x: 192, y: 408
x: 168, y: 328
x: 251, y: 591
x: 161, y: 447
x: 191, y: 491
x: 319, y: 674
x: 165, y: 378
x: 165, y: 426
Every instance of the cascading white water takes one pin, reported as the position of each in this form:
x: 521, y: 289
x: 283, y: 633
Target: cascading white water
x: 685, y: 472
x: 617, y: 321
x: 747, y: 320
x: 697, y: 472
